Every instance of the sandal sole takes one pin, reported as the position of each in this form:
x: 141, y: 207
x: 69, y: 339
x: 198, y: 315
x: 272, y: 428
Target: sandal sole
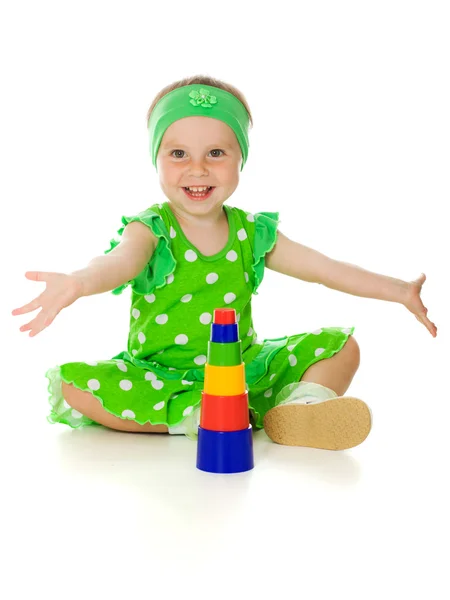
x: 335, y: 424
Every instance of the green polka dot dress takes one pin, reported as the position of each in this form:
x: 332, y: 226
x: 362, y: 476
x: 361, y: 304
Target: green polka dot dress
x: 159, y: 378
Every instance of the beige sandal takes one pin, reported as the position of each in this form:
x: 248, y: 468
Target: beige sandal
x: 333, y: 424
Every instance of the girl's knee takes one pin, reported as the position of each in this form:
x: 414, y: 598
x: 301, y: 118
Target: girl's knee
x: 76, y: 398
x: 352, y: 351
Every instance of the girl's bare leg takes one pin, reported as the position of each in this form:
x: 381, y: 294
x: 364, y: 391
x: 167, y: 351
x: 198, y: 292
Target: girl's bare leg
x: 337, y: 372
x: 88, y: 405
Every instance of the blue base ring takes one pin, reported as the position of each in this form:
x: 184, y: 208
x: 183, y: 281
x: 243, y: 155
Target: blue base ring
x: 225, y: 451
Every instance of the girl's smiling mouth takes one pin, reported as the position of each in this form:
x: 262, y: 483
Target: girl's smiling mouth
x: 204, y: 193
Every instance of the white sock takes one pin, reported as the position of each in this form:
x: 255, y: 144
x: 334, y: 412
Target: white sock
x: 304, y: 392
x: 189, y: 425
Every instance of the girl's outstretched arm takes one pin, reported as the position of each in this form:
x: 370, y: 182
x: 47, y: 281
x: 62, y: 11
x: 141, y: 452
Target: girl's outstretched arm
x: 122, y: 264
x: 103, y: 273
x: 296, y: 260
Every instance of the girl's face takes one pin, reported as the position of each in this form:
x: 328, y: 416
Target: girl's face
x: 196, y: 152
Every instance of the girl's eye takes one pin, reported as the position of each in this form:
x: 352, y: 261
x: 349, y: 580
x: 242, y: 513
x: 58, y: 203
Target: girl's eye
x: 182, y: 152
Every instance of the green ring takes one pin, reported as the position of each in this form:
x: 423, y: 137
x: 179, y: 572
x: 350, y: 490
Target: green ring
x: 224, y: 355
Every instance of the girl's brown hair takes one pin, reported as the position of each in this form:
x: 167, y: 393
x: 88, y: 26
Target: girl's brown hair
x: 202, y: 80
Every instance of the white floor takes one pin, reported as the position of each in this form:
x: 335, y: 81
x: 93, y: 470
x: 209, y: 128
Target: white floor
x: 94, y: 511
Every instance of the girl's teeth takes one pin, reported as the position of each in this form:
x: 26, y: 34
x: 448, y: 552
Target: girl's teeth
x: 199, y: 192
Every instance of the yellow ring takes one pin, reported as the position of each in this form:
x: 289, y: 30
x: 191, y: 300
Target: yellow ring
x: 224, y: 381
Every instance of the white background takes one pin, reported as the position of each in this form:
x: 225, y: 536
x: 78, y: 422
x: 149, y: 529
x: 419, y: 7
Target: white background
x: 351, y: 145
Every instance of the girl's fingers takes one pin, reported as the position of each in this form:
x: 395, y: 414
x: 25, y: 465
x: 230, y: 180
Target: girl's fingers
x: 33, y: 305
x: 431, y: 327
x: 428, y: 324
x: 41, y: 322
x: 30, y: 325
x: 48, y: 320
x: 33, y: 324
x: 37, y: 329
x: 37, y: 275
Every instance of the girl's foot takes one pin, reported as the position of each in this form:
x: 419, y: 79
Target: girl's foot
x: 333, y: 424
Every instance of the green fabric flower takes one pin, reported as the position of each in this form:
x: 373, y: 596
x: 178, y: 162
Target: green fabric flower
x: 203, y: 98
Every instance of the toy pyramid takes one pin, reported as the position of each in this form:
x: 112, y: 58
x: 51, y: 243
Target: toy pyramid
x: 225, y: 442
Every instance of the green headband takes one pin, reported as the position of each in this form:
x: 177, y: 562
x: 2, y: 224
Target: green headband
x: 198, y: 101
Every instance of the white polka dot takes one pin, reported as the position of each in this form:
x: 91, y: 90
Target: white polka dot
x: 128, y: 414
x: 92, y: 363
x: 93, y: 384
x: 212, y: 278
x: 250, y: 218
x: 76, y: 414
x: 161, y: 319
x: 125, y: 385
x: 242, y: 234
x: 231, y: 256
x: 170, y: 278
x: 317, y: 332
x: 238, y: 317
x: 272, y: 376
x: 122, y: 366
x: 173, y: 233
x: 171, y: 368
x: 205, y: 318
x: 150, y: 298
x: 319, y: 351
x: 66, y: 405
x: 159, y: 406
x: 134, y: 352
x: 181, y: 339
x: 268, y: 393
x: 229, y: 298
x: 291, y: 347
x: 158, y: 384
x: 186, y: 382
x: 186, y: 298
x: 135, y: 313
x: 141, y: 337
x: 250, y: 331
x: 347, y: 330
x: 149, y: 376
x: 187, y: 411
x: 292, y: 360
x: 246, y: 277
x: 190, y: 256
x: 200, y: 359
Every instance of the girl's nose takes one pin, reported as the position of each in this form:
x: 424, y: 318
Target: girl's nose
x: 198, y: 168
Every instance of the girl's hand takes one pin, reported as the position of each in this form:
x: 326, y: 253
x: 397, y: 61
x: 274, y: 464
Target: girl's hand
x: 61, y: 291
x: 414, y: 303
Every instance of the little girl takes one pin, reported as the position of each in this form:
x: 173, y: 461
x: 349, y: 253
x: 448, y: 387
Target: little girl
x: 194, y: 253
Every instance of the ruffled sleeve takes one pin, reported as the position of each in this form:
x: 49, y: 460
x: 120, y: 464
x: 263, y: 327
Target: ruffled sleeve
x: 162, y: 262
x: 261, y: 229
x: 266, y: 226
